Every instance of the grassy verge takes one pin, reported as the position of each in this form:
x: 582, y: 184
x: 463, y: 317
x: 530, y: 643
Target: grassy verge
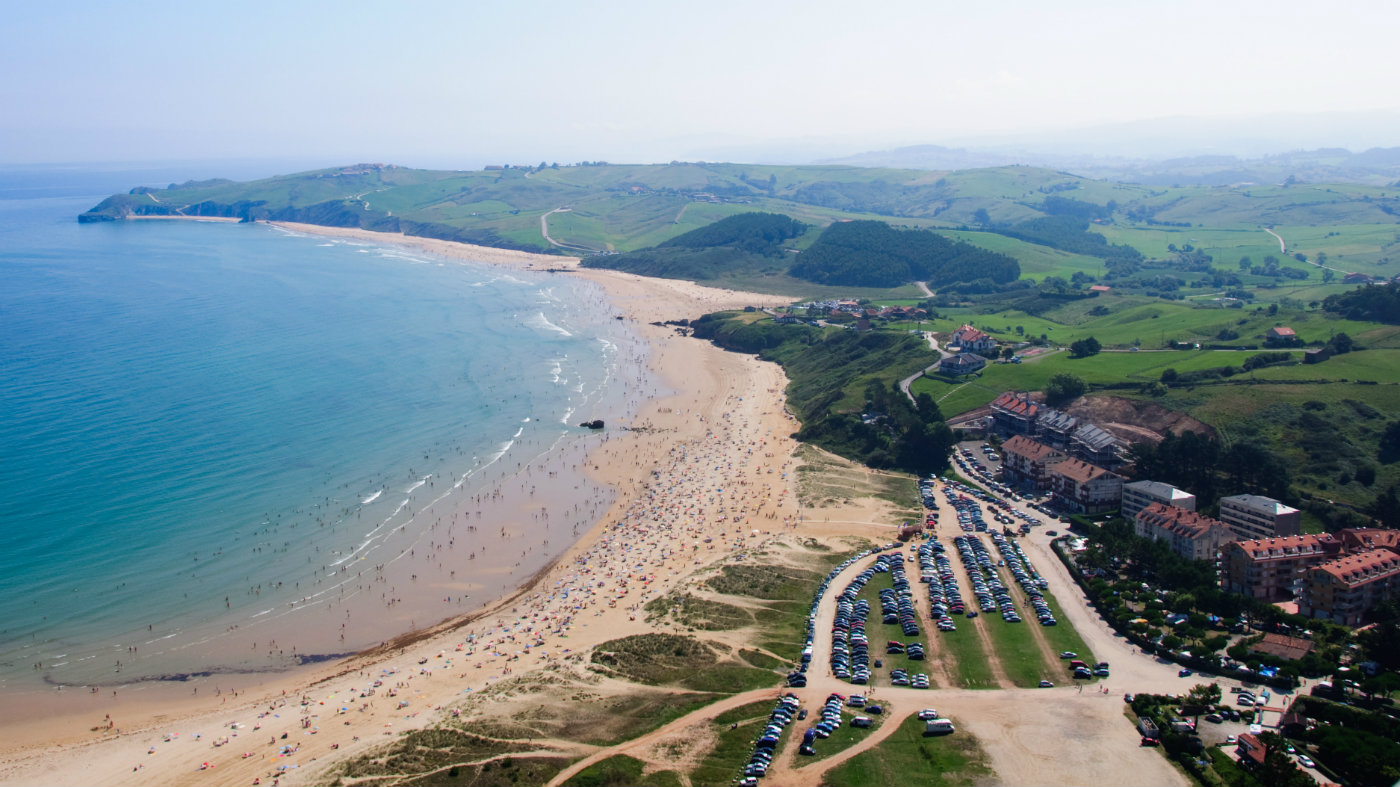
x: 843, y: 737
x: 620, y: 770
x: 1018, y: 651
x: 973, y: 670
x: 1062, y: 636
x: 907, y: 757
x: 628, y: 716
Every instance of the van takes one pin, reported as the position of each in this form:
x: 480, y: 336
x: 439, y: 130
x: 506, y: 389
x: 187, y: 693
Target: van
x: 860, y: 721
x: 938, y: 727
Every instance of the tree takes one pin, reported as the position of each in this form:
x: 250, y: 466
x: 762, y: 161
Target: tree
x: 1169, y: 376
x: 1085, y: 348
x: 1278, y: 769
x: 1328, y: 275
x: 1245, y: 264
x: 980, y: 216
x: 1341, y: 344
x: 1064, y: 387
x: 1008, y: 351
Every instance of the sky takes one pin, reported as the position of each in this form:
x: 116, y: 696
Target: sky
x: 461, y: 84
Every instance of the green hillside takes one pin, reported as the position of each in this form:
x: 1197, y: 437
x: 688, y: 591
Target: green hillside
x: 628, y: 207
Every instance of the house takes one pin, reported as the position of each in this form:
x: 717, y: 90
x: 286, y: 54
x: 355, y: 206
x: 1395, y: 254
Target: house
x: 1280, y: 336
x: 1100, y: 288
x: 1317, y: 354
x: 962, y: 363
x: 971, y: 340
x: 1356, y: 278
x: 1191, y: 535
x: 1249, y: 750
x: 1141, y: 494
x: 1088, y: 489
x: 1025, y: 462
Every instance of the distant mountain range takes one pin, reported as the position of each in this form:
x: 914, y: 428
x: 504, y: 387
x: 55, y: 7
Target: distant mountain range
x: 1375, y: 167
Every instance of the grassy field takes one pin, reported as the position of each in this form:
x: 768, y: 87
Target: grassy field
x: 845, y: 736
x: 972, y: 670
x: 621, y: 769
x: 907, y: 757
x: 725, y: 760
x: 1017, y: 649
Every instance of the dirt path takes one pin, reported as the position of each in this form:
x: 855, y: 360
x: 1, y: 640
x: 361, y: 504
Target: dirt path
x: 544, y: 230
x: 707, y: 713
x: 1282, y: 247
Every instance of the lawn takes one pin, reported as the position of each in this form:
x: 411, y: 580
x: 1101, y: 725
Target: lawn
x: 907, y: 757
x: 1017, y: 649
x: 972, y: 669
x: 843, y: 737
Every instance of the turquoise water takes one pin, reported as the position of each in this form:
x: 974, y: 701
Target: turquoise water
x: 199, y: 422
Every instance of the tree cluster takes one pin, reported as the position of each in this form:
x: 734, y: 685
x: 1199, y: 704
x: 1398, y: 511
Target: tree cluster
x: 1372, y: 302
x: 1083, y: 348
x: 756, y: 233
x: 874, y: 254
x: 1201, y: 465
x: 1068, y: 233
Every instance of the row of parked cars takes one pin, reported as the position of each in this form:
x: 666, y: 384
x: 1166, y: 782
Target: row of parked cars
x: 991, y: 592
x: 798, y: 677
x: 945, y: 600
x: 767, y: 741
x: 1031, y: 583
x: 897, y: 601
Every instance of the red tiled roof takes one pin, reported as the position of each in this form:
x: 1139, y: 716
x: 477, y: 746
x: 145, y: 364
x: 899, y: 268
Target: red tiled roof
x: 1289, y: 546
x: 1285, y: 647
x: 1282, y: 330
x: 1031, y: 450
x: 1358, y: 539
x: 1179, y: 521
x: 1364, y: 567
x: 1080, y: 471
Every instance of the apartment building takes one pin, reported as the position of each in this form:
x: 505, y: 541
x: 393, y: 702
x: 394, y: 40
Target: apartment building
x: 1256, y: 516
x: 1141, y: 494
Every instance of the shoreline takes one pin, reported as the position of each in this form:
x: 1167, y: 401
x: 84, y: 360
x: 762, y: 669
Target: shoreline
x: 74, y: 748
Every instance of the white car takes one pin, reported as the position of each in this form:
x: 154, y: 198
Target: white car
x: 928, y: 714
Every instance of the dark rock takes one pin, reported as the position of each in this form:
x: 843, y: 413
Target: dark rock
x: 592, y: 424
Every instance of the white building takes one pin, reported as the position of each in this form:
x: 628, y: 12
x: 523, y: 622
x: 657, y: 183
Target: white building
x: 1258, y: 517
x: 1141, y: 494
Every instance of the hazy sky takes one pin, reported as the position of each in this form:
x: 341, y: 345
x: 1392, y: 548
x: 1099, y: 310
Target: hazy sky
x: 463, y: 83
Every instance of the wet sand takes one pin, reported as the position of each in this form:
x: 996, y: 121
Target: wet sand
x: 702, y: 473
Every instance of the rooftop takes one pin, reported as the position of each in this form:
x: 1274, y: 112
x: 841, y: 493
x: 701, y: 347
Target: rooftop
x: 1259, y: 503
x: 1082, y: 472
x: 1358, y: 569
x: 1290, y: 546
x: 1282, y: 646
x: 1158, y: 489
x: 1029, y: 449
x: 1181, y: 522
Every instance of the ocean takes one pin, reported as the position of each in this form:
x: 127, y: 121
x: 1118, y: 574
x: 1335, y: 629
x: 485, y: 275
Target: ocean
x: 232, y: 449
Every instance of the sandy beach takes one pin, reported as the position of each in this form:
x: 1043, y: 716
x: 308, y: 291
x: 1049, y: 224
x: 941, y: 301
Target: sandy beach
x: 708, y: 464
